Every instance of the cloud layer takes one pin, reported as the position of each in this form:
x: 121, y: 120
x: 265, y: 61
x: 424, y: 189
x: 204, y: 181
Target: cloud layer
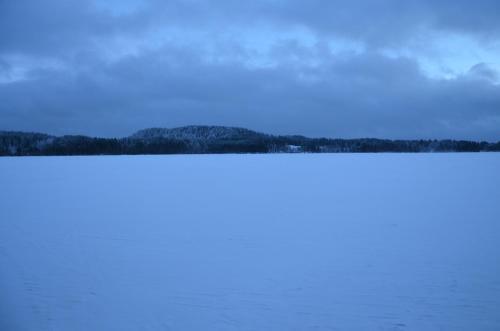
x: 417, y: 69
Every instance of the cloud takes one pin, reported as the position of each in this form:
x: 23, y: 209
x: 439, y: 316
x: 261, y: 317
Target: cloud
x: 484, y: 71
x: 316, y: 68
x: 50, y: 26
x: 350, y: 96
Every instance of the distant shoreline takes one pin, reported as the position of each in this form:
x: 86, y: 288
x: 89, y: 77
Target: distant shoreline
x: 218, y: 140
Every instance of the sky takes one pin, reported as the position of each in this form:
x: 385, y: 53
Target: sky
x: 426, y: 69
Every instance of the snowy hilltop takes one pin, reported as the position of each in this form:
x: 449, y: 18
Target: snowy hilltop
x: 198, y: 132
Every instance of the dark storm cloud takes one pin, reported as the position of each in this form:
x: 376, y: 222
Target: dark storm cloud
x: 55, y: 24
x: 393, y: 21
x: 56, y: 74
x: 57, y: 27
x: 369, y: 20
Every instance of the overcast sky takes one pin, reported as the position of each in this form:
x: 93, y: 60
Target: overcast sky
x: 337, y: 68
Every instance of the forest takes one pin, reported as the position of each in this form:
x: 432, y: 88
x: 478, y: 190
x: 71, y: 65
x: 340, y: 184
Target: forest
x: 216, y: 140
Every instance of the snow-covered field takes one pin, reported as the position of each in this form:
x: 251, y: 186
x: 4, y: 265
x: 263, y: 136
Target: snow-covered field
x: 250, y: 242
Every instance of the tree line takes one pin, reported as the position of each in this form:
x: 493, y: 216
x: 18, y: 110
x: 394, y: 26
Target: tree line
x: 26, y: 144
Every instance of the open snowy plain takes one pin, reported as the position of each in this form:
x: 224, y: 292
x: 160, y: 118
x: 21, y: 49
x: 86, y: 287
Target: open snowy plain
x: 250, y: 242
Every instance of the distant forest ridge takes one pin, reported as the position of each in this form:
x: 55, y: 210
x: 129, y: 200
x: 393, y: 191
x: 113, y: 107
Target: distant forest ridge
x: 218, y: 139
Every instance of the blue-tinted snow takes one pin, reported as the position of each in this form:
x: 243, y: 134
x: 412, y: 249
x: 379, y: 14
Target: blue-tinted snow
x: 250, y: 242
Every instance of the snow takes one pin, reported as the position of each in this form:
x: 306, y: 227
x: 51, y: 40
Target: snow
x: 250, y: 242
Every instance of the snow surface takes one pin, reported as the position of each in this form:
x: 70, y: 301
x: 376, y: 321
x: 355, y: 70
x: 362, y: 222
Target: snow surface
x: 250, y: 242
